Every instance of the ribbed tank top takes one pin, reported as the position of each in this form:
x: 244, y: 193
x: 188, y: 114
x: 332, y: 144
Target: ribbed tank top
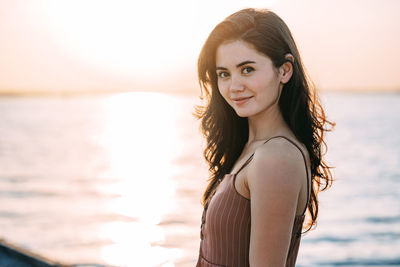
x: 225, y: 227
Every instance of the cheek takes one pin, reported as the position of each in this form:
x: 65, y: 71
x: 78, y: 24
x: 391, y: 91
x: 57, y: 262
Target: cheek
x: 267, y: 84
x: 223, y: 90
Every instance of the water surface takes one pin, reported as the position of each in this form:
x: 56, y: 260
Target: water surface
x: 117, y: 180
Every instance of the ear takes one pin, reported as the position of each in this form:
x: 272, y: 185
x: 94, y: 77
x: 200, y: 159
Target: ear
x: 286, y: 70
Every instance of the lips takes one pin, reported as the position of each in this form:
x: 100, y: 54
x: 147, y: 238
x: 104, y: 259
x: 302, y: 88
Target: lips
x: 241, y: 100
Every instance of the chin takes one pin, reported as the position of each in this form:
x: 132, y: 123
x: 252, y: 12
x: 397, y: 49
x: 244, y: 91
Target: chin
x: 243, y: 113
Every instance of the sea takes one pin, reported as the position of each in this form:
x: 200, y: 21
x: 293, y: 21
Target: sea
x: 116, y: 179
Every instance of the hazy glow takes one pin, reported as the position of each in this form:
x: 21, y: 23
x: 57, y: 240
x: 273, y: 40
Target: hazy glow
x: 91, y: 45
x: 123, y: 37
x: 141, y: 154
x: 127, y: 37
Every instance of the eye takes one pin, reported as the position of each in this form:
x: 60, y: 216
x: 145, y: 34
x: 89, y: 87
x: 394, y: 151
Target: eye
x: 222, y: 74
x: 247, y: 70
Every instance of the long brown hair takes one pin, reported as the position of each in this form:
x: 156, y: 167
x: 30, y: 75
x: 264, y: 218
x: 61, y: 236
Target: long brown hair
x: 227, y: 133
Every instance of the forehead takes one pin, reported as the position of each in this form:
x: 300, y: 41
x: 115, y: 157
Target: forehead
x: 231, y: 53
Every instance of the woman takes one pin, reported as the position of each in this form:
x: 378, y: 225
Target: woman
x: 264, y: 128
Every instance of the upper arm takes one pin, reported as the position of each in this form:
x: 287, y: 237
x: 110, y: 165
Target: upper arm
x: 274, y: 184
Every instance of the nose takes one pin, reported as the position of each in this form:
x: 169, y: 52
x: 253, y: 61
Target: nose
x: 236, y: 84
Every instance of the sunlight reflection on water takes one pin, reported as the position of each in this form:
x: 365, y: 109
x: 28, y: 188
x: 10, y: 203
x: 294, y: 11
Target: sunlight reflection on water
x: 141, y: 153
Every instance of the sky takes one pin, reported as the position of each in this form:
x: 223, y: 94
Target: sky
x: 98, y: 45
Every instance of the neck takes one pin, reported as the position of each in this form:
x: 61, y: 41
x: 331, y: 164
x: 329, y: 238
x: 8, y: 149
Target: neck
x: 267, y: 124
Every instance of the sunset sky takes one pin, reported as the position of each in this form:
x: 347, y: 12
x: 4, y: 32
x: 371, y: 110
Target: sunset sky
x: 92, y: 45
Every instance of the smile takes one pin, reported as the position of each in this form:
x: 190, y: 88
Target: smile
x: 241, y: 100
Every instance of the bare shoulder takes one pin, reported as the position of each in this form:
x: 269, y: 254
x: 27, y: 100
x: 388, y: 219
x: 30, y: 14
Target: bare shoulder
x: 278, y: 163
x: 275, y: 178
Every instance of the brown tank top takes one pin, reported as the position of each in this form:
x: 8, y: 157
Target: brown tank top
x: 225, y: 228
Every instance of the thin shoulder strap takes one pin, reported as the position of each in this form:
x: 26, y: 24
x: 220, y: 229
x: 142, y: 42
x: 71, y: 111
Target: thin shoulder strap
x: 304, y: 158
x: 251, y: 157
x: 245, y: 164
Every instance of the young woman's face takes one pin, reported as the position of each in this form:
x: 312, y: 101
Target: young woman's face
x: 247, y: 79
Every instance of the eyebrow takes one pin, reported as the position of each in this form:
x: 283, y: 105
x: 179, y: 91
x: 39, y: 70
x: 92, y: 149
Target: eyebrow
x: 238, y: 65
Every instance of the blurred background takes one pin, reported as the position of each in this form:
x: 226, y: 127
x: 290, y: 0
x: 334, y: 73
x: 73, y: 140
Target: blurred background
x: 101, y: 158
